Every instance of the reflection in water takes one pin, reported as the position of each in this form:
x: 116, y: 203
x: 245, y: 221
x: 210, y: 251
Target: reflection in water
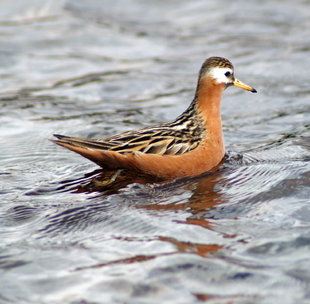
x: 202, y: 250
x: 226, y: 299
x: 187, y: 247
x: 202, y: 196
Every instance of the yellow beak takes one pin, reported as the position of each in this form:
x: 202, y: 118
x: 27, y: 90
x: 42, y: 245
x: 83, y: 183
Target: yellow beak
x: 244, y: 86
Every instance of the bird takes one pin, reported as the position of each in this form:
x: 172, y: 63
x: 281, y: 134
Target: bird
x: 189, y: 146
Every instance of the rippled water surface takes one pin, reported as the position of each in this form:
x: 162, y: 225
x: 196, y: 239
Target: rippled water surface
x: 240, y: 234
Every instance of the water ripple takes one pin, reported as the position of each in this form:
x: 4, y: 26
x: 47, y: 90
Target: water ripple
x: 239, y: 234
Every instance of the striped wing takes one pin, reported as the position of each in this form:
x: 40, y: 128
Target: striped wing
x: 157, y: 140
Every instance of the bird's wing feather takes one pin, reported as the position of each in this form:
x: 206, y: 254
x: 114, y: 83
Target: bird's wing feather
x: 159, y: 141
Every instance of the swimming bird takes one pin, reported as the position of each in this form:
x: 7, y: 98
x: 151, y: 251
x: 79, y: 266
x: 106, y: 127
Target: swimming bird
x: 188, y: 146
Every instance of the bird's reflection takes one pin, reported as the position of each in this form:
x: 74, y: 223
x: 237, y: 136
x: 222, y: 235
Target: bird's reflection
x: 205, y: 195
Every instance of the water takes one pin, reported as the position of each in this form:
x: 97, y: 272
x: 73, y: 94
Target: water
x: 96, y: 68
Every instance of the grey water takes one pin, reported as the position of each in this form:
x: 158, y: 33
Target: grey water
x: 96, y: 68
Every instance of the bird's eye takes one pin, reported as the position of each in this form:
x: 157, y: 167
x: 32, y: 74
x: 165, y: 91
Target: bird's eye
x: 227, y: 74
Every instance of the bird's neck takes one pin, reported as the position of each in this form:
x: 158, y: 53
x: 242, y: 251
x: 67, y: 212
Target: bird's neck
x: 208, y: 99
x: 208, y: 107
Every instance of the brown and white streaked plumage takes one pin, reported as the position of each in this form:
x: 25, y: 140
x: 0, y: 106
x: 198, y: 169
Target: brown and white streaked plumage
x: 190, y: 145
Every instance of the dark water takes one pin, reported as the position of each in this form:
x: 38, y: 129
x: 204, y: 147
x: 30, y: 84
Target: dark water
x: 97, y: 68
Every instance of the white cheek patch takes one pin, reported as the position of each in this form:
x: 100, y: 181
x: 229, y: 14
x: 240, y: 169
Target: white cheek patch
x: 218, y: 74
